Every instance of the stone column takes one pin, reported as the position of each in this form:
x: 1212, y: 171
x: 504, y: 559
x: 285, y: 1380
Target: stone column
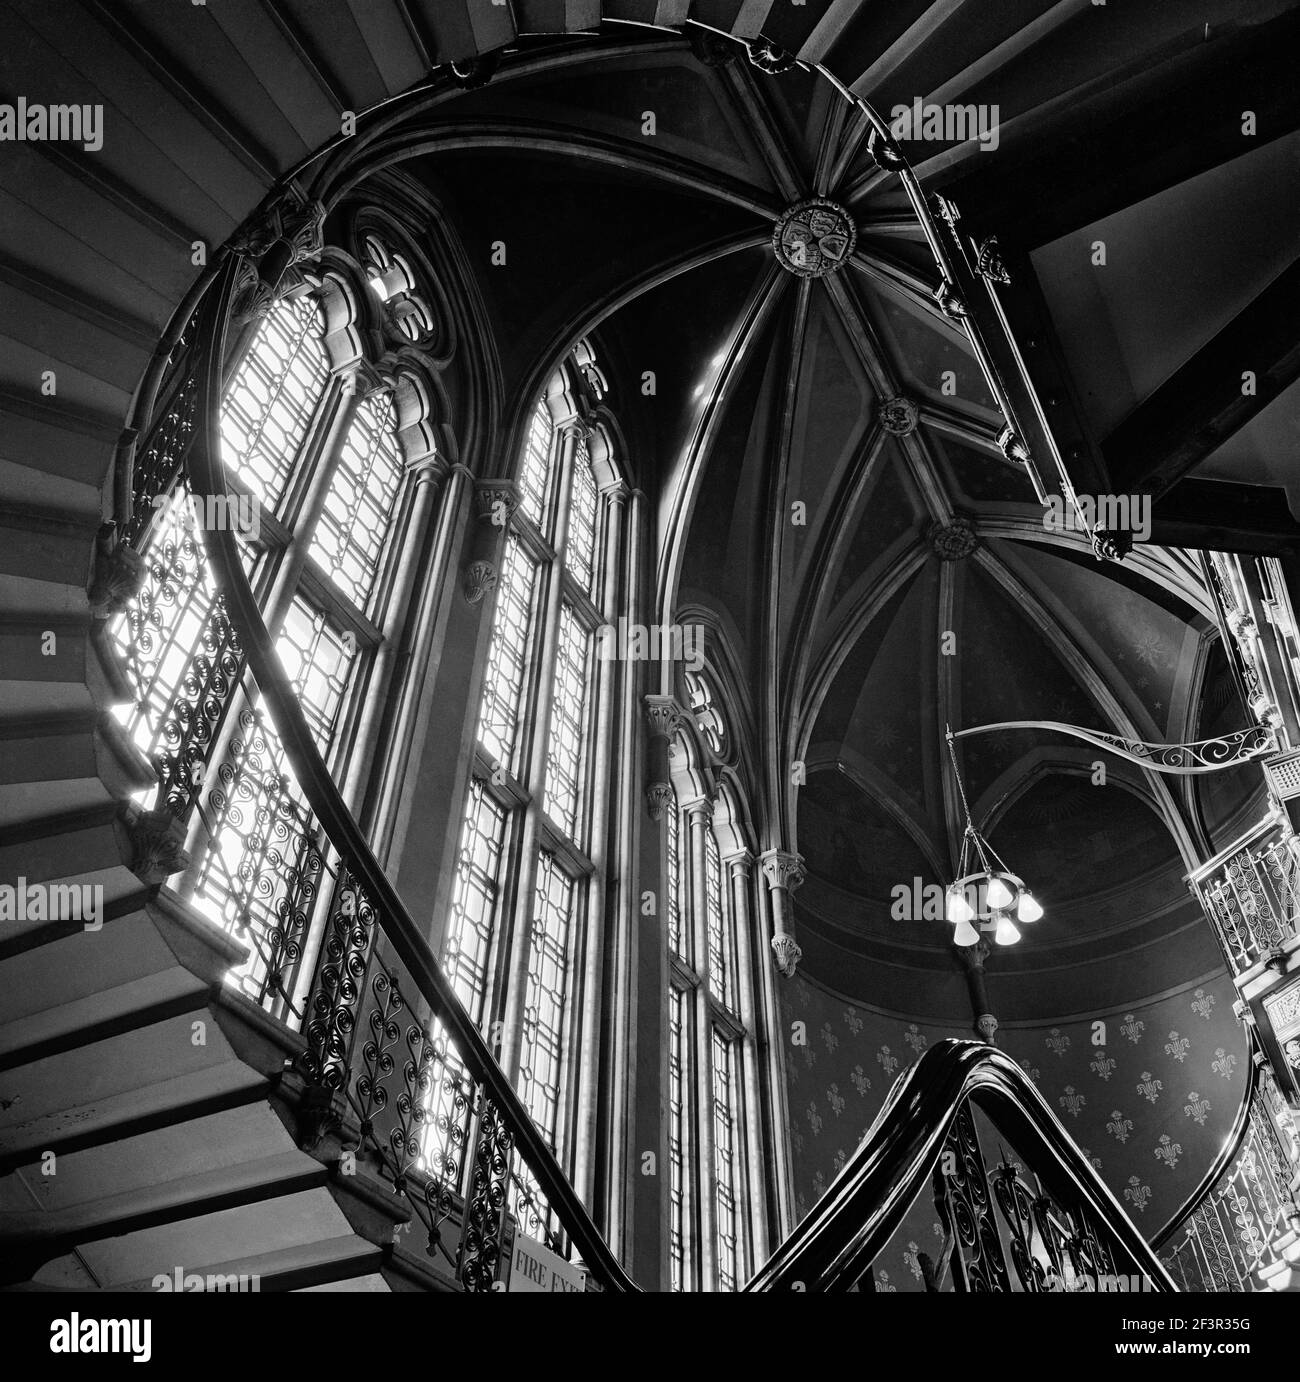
x: 784, y: 873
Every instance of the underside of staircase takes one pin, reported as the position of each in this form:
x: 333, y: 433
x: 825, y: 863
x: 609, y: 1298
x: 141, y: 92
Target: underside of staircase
x: 148, y: 1124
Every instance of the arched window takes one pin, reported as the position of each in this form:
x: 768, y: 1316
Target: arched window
x: 315, y: 475
x: 528, y: 814
x: 715, y: 1203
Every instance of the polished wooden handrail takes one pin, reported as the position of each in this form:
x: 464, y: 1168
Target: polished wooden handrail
x: 837, y: 1242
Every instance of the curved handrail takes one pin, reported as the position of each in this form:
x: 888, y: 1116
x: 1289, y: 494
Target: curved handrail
x: 207, y: 479
x: 855, y: 1219
x: 1226, y: 1157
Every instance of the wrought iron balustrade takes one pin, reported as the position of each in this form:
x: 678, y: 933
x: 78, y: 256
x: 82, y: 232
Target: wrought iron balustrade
x: 1236, y: 1228
x: 393, y: 1069
x: 1251, y: 893
x: 1066, y: 1232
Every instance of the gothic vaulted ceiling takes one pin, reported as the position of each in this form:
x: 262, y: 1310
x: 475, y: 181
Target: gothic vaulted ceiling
x: 819, y: 453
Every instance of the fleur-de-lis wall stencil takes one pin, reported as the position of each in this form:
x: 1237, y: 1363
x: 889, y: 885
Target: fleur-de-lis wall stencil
x: 852, y: 1021
x: 1169, y: 1151
x: 1071, y: 1102
x: 814, y: 1118
x: 888, y: 1063
x: 1196, y: 1108
x: 1137, y: 1194
x: 1223, y: 1063
x: 1203, y: 1003
x: 1177, y: 1046
x: 1133, y: 1027
x: 860, y: 1081
x: 829, y: 1037
x: 914, y: 1038
x: 835, y: 1099
x: 1104, y: 1065
x: 910, y: 1258
x: 1119, y: 1127
x: 1149, y: 1087
x: 1057, y: 1042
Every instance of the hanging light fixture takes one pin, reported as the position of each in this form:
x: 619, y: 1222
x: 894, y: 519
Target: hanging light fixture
x: 988, y: 899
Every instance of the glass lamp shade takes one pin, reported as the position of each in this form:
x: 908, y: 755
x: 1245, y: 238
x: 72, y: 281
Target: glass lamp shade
x: 956, y: 907
x: 1006, y: 933
x: 965, y: 934
x: 1029, y: 909
x: 999, y: 893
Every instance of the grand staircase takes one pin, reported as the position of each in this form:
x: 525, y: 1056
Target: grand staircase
x: 146, y: 1121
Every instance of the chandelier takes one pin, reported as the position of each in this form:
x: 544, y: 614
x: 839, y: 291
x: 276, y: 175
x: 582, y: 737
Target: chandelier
x: 989, y: 899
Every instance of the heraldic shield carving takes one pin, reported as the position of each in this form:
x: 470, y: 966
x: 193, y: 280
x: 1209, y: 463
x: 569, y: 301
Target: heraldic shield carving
x: 814, y: 238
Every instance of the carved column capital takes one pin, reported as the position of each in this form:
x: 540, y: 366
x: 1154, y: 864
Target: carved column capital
x: 972, y: 957
x: 429, y: 470
x: 664, y: 717
x: 782, y: 869
x: 740, y: 863
x: 658, y: 798
x: 987, y: 1026
x: 699, y: 811
x: 495, y: 501
x: 615, y: 492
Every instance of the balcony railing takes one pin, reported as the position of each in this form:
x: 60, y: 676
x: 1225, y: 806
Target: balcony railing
x: 1251, y: 894
x: 1247, y: 1216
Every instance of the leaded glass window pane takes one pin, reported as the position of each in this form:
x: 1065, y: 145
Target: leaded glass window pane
x: 535, y: 473
x: 721, y: 983
x: 726, y: 1140
x: 358, y: 511
x: 475, y: 892
x: 544, y: 996
x: 269, y: 404
x: 508, y: 653
x: 678, y: 1242
x: 673, y: 843
x: 564, y: 755
x: 580, y: 548
x: 317, y: 658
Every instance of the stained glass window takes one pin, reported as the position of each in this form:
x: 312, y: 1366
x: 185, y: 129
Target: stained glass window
x: 540, y: 673
x: 678, y: 1236
x: 270, y: 402
x: 359, y: 504
x: 512, y: 637
x: 252, y: 830
x: 725, y: 1153
x: 568, y: 722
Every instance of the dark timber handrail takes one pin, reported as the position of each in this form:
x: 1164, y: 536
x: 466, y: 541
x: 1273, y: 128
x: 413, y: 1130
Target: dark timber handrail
x: 207, y: 478
x: 835, y: 1245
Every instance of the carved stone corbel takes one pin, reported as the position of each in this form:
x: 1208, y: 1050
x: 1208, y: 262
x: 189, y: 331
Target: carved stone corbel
x: 117, y: 576
x: 663, y: 719
x: 496, y: 502
x: 157, y: 843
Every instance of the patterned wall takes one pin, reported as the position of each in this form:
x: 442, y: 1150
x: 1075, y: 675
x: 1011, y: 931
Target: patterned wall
x: 1151, y: 1107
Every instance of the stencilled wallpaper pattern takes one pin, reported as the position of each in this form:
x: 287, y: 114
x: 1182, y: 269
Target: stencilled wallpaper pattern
x: 1151, y: 1106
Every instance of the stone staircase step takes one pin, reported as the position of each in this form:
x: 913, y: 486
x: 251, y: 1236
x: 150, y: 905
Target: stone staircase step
x: 80, y: 988
x: 150, y: 1076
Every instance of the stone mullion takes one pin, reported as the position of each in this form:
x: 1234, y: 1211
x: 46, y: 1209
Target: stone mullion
x: 589, y: 995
